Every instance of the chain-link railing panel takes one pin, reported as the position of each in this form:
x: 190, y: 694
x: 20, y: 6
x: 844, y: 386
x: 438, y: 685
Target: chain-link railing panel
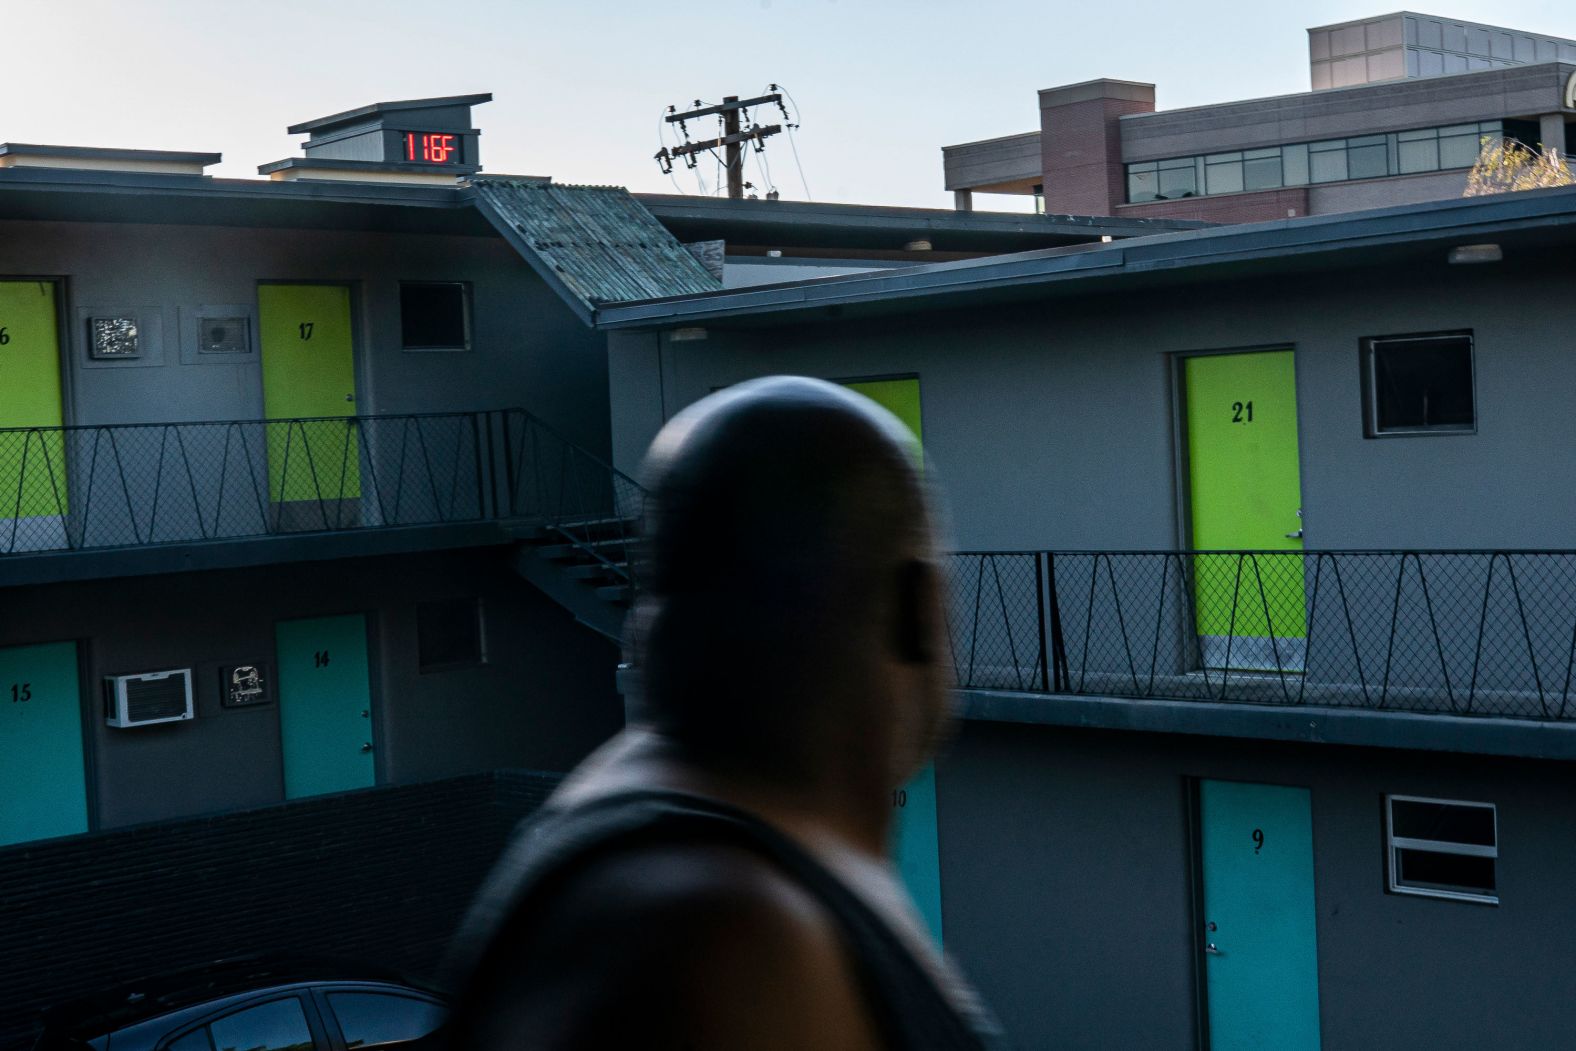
x: 1470, y: 633
x: 82, y: 488
x: 995, y: 620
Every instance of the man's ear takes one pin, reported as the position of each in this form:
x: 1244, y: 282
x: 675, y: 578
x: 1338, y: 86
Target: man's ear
x: 917, y: 607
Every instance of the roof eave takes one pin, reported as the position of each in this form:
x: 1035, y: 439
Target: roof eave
x: 1468, y: 219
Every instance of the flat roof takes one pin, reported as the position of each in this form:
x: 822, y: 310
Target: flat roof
x: 1322, y: 242
x: 76, y: 195
x: 794, y: 224
x: 108, y: 153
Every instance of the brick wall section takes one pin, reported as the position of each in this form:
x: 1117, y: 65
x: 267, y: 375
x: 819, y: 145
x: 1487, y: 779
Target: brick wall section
x: 1227, y: 208
x: 381, y: 875
x: 1081, y: 144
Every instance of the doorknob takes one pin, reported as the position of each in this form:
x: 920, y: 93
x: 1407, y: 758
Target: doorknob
x: 350, y: 397
x: 1210, y: 948
x: 1294, y: 536
x: 367, y: 747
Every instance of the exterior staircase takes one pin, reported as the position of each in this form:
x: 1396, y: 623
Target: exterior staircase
x: 575, y: 517
x: 583, y: 565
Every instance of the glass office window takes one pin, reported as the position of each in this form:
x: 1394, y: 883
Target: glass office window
x: 1459, y: 146
x: 1294, y: 165
x: 1261, y: 169
x: 1366, y: 158
x: 1143, y: 182
x: 1223, y: 173
x: 1418, y: 151
x: 1327, y: 161
x: 1178, y: 178
x: 1331, y: 160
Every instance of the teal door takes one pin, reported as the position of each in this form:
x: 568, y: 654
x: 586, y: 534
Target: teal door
x: 325, y: 705
x: 43, y: 786
x: 1261, y: 956
x: 915, y: 849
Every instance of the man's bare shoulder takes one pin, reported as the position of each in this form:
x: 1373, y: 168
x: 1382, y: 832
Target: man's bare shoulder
x: 699, y: 946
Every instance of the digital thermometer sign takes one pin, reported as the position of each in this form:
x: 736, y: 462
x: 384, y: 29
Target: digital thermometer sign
x: 427, y: 147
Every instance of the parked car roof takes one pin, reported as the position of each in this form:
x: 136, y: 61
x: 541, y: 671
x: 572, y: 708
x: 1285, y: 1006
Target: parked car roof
x: 83, y: 1018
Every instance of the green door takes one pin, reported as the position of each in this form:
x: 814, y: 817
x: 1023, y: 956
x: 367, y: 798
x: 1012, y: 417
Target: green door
x: 325, y: 705
x: 1260, y: 946
x: 43, y: 785
x: 1246, y: 495
x: 915, y: 846
x: 309, y: 375
x: 32, y: 462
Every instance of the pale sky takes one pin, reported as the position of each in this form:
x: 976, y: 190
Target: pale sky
x: 579, y: 87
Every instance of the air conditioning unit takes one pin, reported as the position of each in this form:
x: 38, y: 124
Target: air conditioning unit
x: 151, y: 697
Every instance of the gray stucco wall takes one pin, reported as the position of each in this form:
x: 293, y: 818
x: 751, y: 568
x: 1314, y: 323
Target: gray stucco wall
x: 528, y: 349
x: 1066, y: 861
x: 1053, y: 425
x: 545, y: 697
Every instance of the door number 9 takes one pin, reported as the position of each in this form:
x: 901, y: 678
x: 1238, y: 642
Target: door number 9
x: 1258, y: 840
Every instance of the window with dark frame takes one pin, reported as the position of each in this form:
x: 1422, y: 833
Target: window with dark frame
x: 1419, y: 384
x: 435, y: 315
x: 1408, y: 152
x: 1441, y: 848
x: 449, y: 634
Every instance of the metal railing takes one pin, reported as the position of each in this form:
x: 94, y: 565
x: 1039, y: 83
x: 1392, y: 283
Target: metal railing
x: 1488, y: 633
x: 129, y: 485
x: 552, y: 482
x: 1455, y: 632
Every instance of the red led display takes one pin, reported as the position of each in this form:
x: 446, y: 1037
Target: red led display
x: 432, y: 148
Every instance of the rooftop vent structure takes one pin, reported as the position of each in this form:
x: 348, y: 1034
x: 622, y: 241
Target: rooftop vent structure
x: 421, y: 141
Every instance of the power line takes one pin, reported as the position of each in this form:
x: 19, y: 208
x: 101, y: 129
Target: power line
x: 793, y: 126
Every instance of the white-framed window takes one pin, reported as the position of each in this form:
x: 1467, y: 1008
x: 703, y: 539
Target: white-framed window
x: 1419, y: 384
x: 1442, y: 848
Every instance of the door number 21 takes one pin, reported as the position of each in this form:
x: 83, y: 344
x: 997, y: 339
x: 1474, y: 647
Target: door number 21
x: 1242, y: 412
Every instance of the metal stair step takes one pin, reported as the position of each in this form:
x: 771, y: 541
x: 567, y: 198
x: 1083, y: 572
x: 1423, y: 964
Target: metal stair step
x: 579, y: 552
x: 618, y: 594
x: 597, y: 570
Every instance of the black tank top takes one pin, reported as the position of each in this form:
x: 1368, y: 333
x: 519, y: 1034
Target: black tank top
x: 910, y: 1005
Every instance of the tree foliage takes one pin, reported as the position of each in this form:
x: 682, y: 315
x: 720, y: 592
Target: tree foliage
x: 1505, y: 165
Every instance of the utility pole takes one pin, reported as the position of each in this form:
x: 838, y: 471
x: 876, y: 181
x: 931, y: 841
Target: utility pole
x: 733, y: 157
x: 731, y: 141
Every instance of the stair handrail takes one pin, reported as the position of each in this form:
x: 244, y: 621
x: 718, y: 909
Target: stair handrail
x: 579, y: 525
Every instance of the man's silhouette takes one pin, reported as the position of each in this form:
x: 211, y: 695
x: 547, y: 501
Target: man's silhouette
x: 716, y: 876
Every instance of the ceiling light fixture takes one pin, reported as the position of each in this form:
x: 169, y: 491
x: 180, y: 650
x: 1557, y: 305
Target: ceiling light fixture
x: 1484, y: 253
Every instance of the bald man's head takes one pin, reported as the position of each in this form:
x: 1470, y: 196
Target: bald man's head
x: 789, y: 571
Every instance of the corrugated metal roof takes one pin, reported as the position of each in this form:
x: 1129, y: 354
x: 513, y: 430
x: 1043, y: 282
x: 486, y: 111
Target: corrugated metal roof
x: 597, y: 243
